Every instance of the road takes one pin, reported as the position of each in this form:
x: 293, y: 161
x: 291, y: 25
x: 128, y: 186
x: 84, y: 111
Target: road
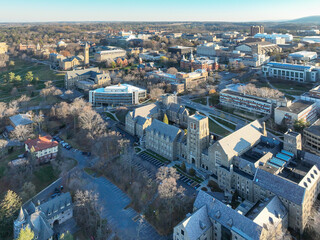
x: 213, y: 111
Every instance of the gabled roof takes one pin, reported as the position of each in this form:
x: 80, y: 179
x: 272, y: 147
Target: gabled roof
x: 41, y: 143
x: 228, y: 217
x: 53, y: 206
x: 197, y: 224
x: 279, y: 186
x: 40, y: 226
x: 240, y: 140
x: 164, y: 129
x: 21, y: 119
x: 145, y: 111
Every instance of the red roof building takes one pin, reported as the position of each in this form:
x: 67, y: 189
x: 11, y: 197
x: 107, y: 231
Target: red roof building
x: 44, y: 148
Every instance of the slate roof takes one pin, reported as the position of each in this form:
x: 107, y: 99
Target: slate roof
x: 272, y: 213
x: 53, y: 206
x: 75, y: 73
x: 145, y: 111
x: 228, y: 217
x: 240, y: 140
x: 21, y: 119
x: 279, y: 186
x: 164, y: 129
x: 40, y: 226
x: 197, y: 224
x: 141, y: 120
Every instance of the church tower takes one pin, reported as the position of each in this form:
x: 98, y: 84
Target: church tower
x: 86, y: 54
x: 197, y: 138
x: 18, y: 223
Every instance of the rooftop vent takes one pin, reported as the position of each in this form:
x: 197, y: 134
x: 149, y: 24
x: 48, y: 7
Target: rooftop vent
x: 218, y: 214
x: 230, y: 222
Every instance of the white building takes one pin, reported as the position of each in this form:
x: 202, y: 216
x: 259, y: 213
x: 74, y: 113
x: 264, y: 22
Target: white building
x: 207, y: 49
x: 151, y: 56
x: 311, y: 39
x: 121, y: 94
x: 293, y: 72
x: 303, y: 55
x: 275, y: 37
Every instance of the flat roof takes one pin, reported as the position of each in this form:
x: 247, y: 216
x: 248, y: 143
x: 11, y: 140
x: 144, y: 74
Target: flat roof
x: 296, y: 107
x: 289, y: 66
x: 120, y: 88
x: 314, y: 128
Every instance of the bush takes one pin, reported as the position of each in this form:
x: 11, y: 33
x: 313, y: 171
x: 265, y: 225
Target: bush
x: 183, y: 167
x: 192, y: 172
x: 204, y: 189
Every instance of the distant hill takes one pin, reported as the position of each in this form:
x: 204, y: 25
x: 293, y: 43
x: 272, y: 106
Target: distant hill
x: 310, y: 19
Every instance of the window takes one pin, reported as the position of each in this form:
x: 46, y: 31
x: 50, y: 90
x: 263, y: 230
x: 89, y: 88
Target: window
x: 182, y: 232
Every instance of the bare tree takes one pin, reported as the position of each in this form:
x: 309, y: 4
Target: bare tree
x: 172, y: 70
x: 156, y: 93
x: 21, y: 133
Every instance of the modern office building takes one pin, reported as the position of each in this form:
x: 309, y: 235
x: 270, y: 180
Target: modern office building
x: 256, y: 29
x: 299, y: 110
x: 121, y: 94
x: 292, y: 72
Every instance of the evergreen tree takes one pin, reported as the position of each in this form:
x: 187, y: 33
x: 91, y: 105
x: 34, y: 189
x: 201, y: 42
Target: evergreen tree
x: 9, y: 208
x: 29, y: 76
x: 165, y: 119
x: 26, y: 234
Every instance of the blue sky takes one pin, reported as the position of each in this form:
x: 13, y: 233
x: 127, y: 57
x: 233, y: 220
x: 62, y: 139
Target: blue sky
x: 152, y: 10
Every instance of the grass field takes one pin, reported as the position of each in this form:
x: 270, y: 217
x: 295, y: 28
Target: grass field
x: 215, y: 128
x: 43, y: 72
x: 43, y: 176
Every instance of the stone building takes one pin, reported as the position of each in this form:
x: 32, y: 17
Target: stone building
x: 46, y: 210
x: 86, y: 79
x: 311, y: 138
x: 163, y: 139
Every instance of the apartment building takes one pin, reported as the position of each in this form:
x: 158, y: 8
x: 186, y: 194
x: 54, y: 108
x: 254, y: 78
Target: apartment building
x: 44, y: 148
x: 121, y: 94
x: 299, y: 110
x: 292, y: 72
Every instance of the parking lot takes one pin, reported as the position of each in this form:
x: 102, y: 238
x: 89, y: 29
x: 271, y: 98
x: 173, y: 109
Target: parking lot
x: 183, y: 180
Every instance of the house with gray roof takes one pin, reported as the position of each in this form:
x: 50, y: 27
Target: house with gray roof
x: 20, y: 119
x: 44, y: 211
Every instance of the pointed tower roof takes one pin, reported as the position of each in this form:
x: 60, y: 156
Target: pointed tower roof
x: 191, y: 56
x: 21, y: 216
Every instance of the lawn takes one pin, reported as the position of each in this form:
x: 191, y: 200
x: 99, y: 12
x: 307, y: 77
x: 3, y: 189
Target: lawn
x: 43, y: 176
x: 225, y: 123
x: 216, y: 129
x: 121, y: 115
x: 110, y: 116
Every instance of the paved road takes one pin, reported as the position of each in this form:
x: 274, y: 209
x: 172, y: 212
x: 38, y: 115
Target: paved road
x: 124, y: 222
x: 215, y: 112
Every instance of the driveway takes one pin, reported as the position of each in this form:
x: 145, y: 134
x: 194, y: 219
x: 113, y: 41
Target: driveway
x: 124, y: 221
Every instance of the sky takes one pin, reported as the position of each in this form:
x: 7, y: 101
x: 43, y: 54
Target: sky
x: 152, y: 10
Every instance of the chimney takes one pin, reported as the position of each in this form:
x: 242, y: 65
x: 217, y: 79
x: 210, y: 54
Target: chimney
x: 264, y: 129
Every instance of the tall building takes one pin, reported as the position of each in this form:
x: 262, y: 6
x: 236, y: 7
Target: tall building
x: 86, y: 54
x: 256, y: 29
x: 198, y: 138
